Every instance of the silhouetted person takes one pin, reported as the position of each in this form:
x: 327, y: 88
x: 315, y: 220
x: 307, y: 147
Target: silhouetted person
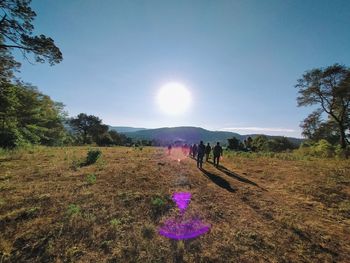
x: 200, y: 155
x: 191, y: 150
x: 169, y: 149
x: 217, y: 151
x: 207, y: 152
x: 194, y: 151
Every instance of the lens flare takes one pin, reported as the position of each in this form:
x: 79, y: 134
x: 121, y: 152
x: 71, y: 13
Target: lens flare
x: 180, y: 227
x: 184, y: 229
x: 182, y: 199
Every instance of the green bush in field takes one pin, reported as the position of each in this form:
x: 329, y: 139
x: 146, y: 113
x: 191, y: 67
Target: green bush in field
x: 92, y: 156
x: 159, y: 206
x: 324, y: 149
x: 91, y: 178
x: 158, y: 202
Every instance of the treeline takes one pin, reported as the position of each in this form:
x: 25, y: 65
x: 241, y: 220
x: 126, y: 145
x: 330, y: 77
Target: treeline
x: 29, y: 117
x: 88, y: 129
x: 261, y: 143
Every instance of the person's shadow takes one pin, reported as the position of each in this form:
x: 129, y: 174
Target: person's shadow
x: 218, y: 180
x: 236, y: 176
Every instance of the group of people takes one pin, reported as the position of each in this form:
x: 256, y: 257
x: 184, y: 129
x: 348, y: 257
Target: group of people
x: 200, y: 151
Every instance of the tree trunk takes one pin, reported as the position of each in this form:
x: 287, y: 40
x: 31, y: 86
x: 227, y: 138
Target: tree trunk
x: 343, y: 140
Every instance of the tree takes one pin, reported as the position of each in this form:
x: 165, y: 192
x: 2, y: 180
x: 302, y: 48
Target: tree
x: 280, y: 144
x: 260, y: 143
x: 234, y: 144
x: 328, y: 88
x: 8, y: 65
x: 115, y: 137
x: 88, y: 127
x: 28, y: 116
x: 315, y: 129
x: 16, y: 32
x: 248, y: 143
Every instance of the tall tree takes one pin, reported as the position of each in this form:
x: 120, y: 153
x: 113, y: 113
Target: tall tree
x: 28, y: 116
x: 88, y: 127
x: 329, y: 88
x: 16, y: 32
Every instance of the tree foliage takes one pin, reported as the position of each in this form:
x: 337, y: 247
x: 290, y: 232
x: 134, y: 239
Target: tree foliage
x: 261, y: 143
x: 29, y: 117
x: 16, y: 32
x: 90, y: 129
x: 328, y: 88
x: 235, y: 144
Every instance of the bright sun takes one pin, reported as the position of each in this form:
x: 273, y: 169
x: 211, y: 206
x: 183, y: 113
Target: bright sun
x: 174, y: 98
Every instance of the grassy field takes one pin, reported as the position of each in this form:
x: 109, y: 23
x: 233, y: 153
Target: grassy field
x: 262, y: 209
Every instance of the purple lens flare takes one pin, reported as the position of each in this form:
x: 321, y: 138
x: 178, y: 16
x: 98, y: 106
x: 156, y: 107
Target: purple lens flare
x: 182, y: 199
x: 183, y: 227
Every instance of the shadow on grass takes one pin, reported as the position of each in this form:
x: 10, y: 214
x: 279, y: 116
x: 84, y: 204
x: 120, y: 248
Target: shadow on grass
x: 218, y: 180
x: 237, y: 176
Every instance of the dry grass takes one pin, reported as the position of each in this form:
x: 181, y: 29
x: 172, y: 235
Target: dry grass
x: 261, y: 209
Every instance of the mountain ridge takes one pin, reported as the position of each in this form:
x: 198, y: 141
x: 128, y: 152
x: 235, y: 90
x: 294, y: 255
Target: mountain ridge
x: 188, y: 134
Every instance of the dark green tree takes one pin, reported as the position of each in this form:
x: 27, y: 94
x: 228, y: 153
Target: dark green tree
x: 88, y: 128
x: 329, y: 88
x: 260, y: 143
x: 234, y: 144
x: 117, y: 140
x: 28, y: 116
x: 280, y: 144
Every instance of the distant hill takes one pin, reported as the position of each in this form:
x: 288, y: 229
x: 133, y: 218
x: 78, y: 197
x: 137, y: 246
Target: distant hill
x: 124, y: 129
x: 190, y: 135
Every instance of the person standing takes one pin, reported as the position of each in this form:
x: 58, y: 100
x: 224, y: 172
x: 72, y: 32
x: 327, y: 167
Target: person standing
x: 207, y: 152
x: 194, y: 151
x: 169, y: 149
x: 200, y: 154
x: 217, y: 151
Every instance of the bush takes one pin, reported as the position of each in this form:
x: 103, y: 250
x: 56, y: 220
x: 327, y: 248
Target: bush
x: 158, y: 207
x: 92, y: 156
x: 321, y: 149
x: 324, y: 149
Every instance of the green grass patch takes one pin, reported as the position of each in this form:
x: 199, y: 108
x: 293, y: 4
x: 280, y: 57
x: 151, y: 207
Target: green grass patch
x: 73, y: 210
x: 91, y: 179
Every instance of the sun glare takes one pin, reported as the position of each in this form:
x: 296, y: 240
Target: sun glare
x: 174, y: 98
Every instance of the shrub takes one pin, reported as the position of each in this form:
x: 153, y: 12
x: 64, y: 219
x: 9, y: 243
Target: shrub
x: 92, y: 156
x: 158, y: 202
x: 158, y: 207
x: 324, y: 149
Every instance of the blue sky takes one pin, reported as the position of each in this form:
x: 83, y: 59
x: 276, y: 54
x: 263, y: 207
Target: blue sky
x: 239, y: 59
